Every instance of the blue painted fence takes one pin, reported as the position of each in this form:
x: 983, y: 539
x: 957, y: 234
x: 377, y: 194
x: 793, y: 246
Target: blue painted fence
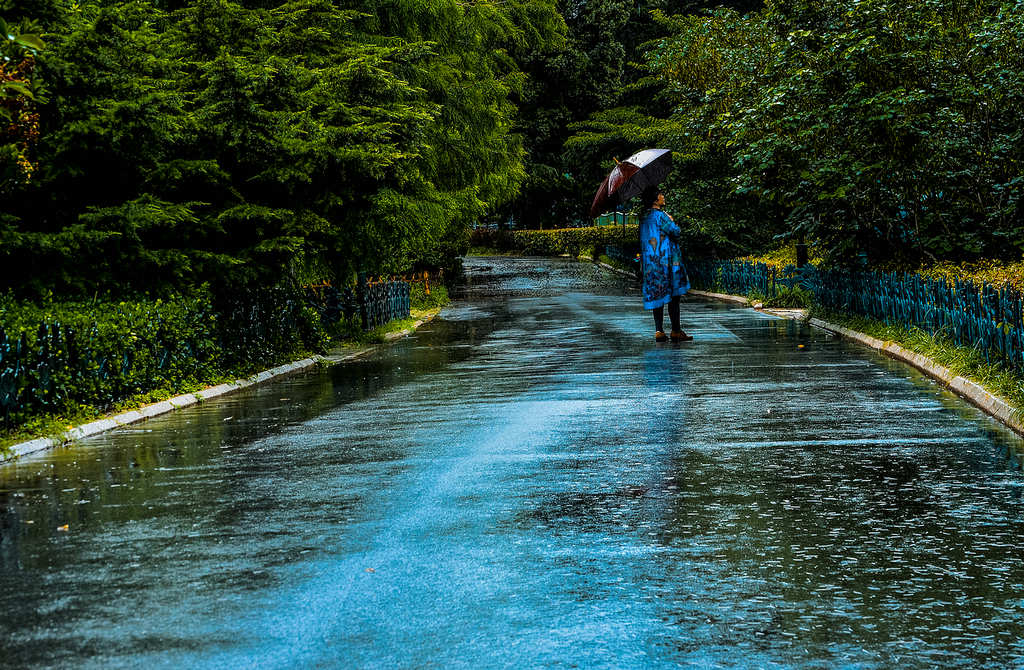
x: 970, y: 314
x: 374, y: 303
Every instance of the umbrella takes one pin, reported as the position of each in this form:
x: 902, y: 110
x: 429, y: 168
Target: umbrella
x: 630, y: 177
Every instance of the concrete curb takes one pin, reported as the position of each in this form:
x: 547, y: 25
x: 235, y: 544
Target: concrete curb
x: 618, y: 271
x: 188, y: 399
x: 969, y: 390
x: 720, y: 296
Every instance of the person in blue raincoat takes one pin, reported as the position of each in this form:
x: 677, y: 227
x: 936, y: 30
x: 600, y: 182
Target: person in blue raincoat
x: 665, y: 278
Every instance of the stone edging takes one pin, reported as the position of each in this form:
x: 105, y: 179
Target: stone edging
x: 186, y: 400
x: 618, y: 271
x: 971, y: 391
x: 720, y: 296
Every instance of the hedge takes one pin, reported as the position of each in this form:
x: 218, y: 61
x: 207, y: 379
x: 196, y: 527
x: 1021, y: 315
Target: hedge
x: 56, y: 357
x: 573, y: 241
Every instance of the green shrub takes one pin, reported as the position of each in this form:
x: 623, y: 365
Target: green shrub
x: 56, y: 357
x: 791, y: 297
x: 785, y: 254
x: 998, y: 273
x: 263, y: 326
x: 420, y: 299
x: 572, y: 241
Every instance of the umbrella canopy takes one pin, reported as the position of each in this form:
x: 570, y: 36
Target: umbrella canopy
x: 630, y: 177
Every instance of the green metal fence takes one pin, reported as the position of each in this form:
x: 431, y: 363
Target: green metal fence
x: 384, y: 302
x: 736, y: 277
x: 63, y: 365
x: 970, y: 314
x: 374, y: 303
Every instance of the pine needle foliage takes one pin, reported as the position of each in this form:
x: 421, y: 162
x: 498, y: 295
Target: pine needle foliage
x: 250, y: 144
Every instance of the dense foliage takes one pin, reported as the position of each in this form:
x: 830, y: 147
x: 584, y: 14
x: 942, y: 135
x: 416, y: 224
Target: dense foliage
x: 19, y: 94
x: 57, y: 356
x: 595, y: 78
x: 161, y: 144
x: 886, y: 131
x: 250, y: 144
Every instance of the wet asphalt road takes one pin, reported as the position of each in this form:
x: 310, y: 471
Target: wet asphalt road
x: 531, y: 481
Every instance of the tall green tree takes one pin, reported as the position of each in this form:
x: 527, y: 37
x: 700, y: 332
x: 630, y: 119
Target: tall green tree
x: 252, y: 143
x: 109, y: 121
x: 19, y: 96
x: 295, y: 126
x: 641, y: 115
x: 566, y: 82
x: 886, y: 132
x: 472, y: 159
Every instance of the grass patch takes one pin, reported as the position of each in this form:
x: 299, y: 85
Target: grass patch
x: 796, y: 296
x: 420, y: 300
x: 967, y: 362
x: 53, y: 427
x: 380, y: 333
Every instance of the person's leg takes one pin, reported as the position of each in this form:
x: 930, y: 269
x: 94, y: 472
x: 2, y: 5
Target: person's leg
x: 659, y: 318
x: 673, y: 313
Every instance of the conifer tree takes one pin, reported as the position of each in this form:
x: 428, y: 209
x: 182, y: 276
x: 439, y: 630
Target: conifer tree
x: 251, y: 144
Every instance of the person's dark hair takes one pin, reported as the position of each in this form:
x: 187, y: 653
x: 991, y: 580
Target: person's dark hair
x: 649, y: 196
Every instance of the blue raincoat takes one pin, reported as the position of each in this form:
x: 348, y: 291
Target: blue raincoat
x: 664, y: 273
